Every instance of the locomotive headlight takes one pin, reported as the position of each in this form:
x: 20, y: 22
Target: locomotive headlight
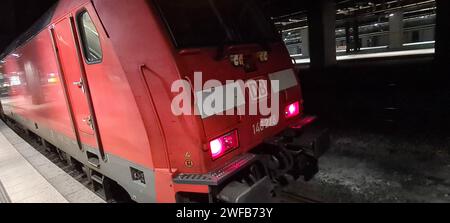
x: 263, y: 56
x: 224, y: 144
x: 216, y: 148
x: 237, y: 59
x: 292, y: 110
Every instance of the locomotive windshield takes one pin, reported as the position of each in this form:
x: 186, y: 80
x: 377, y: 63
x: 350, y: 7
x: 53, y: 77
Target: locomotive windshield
x: 202, y: 23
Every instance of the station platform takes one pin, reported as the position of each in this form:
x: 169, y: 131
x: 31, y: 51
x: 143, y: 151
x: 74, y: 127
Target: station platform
x: 27, y: 176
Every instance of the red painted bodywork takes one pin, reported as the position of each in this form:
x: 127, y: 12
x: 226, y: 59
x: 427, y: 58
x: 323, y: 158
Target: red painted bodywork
x: 130, y: 90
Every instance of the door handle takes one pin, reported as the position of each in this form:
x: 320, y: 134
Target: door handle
x: 89, y: 121
x: 79, y: 84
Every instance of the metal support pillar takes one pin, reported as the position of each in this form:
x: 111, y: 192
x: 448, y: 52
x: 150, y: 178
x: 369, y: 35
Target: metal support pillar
x: 396, y: 30
x: 442, y: 31
x: 322, y: 34
x: 305, y: 42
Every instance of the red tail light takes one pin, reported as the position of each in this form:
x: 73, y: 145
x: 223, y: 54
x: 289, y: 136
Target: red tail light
x: 224, y: 144
x: 292, y: 110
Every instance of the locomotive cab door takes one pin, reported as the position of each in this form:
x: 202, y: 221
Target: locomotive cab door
x: 73, y: 75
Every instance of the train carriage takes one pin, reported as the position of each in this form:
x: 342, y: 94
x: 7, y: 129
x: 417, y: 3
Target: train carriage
x: 95, y: 79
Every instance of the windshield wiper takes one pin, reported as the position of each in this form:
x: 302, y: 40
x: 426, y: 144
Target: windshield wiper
x: 221, y: 51
x: 221, y: 48
x: 265, y: 45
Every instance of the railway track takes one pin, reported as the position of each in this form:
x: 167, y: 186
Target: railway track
x: 290, y: 197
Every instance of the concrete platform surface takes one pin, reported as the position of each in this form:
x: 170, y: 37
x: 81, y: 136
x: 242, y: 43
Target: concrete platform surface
x: 29, y: 177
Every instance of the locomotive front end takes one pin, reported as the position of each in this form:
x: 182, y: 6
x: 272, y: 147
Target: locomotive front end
x: 245, y: 96
x: 260, y: 174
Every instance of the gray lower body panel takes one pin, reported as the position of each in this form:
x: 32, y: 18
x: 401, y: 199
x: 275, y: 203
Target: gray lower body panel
x: 115, y: 168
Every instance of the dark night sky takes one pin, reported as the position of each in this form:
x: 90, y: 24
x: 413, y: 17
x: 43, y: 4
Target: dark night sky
x: 16, y: 16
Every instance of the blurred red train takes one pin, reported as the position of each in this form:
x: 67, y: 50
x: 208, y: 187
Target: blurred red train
x: 93, y: 78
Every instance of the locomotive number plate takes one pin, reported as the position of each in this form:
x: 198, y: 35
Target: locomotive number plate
x: 264, y: 124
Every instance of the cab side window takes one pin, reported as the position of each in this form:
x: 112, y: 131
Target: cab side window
x: 90, y: 38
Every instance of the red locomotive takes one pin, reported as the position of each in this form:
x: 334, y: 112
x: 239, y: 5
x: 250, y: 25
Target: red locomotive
x: 93, y: 78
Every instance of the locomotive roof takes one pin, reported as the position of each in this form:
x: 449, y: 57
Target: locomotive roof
x: 35, y: 29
